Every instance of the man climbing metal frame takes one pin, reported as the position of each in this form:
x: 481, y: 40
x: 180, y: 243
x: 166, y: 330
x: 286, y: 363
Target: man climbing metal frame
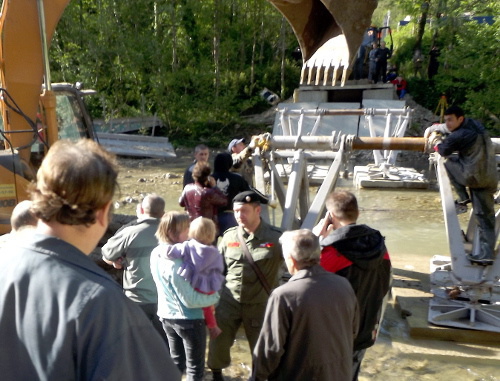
x: 474, y: 168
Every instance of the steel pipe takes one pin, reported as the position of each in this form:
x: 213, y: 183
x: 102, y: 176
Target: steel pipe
x: 327, y: 143
x: 319, y: 143
x: 360, y: 111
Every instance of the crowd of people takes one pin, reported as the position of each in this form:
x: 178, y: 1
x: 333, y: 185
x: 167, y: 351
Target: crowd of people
x: 310, y: 301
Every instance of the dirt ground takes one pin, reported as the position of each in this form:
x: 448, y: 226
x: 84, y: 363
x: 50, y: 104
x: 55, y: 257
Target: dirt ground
x: 139, y: 177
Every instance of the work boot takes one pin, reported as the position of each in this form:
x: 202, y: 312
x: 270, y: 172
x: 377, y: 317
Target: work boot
x: 461, y: 206
x: 217, y: 375
x: 480, y: 261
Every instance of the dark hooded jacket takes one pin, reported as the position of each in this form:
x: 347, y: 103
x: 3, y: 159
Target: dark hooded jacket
x: 475, y: 166
x: 229, y: 183
x: 358, y: 253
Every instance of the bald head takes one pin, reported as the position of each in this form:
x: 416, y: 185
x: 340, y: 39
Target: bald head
x: 153, y: 205
x: 22, y: 216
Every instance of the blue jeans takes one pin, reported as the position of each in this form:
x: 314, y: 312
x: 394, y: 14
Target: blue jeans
x: 187, y: 340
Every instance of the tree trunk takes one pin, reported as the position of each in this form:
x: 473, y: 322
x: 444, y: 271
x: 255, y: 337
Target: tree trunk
x: 417, y: 51
x: 283, y: 61
x: 173, y: 34
x: 216, y: 48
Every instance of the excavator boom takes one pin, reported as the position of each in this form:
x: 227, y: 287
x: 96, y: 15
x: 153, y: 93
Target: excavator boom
x: 22, y: 65
x: 26, y: 29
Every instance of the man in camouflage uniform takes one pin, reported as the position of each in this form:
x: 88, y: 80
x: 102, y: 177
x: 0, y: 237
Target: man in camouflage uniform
x: 244, y: 297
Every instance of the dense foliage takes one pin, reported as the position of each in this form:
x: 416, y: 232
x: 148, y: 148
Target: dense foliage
x: 468, y: 58
x: 200, y: 65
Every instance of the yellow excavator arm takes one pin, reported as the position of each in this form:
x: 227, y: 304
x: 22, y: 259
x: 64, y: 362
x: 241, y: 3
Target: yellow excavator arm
x: 26, y: 29
x: 22, y: 64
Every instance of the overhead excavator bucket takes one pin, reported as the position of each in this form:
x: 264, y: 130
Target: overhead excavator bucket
x: 329, y: 34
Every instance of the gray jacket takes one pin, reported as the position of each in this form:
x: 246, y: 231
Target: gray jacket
x: 309, y: 329
x: 135, y: 243
x: 475, y: 165
x: 64, y: 318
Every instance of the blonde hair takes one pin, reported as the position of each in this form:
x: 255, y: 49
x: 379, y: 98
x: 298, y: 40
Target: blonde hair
x: 74, y: 181
x: 171, y: 225
x: 203, y: 230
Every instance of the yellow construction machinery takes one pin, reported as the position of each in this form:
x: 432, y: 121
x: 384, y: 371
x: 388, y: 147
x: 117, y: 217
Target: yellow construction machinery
x: 33, y: 117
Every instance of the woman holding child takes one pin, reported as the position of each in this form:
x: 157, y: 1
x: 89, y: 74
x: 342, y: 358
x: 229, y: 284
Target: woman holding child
x: 182, y: 296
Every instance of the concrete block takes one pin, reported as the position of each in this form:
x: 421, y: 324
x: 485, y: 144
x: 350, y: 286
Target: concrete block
x: 310, y: 96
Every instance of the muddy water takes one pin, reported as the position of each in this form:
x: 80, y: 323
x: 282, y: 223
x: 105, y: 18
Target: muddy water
x: 412, y: 223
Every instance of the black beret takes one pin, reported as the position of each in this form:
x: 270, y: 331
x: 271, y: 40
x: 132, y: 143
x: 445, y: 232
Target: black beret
x: 250, y: 196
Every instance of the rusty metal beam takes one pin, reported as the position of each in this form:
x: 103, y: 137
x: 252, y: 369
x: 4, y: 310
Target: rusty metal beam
x: 328, y: 143
x: 402, y: 144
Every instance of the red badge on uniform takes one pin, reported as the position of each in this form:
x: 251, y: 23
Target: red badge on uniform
x: 266, y: 244
x: 233, y: 244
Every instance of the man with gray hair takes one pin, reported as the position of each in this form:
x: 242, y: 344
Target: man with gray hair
x: 310, y: 322
x: 130, y: 248
x: 22, y: 218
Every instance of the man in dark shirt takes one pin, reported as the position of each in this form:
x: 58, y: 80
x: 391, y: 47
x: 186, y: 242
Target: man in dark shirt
x: 384, y: 53
x: 373, y: 57
x: 201, y: 153
x: 474, y: 167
